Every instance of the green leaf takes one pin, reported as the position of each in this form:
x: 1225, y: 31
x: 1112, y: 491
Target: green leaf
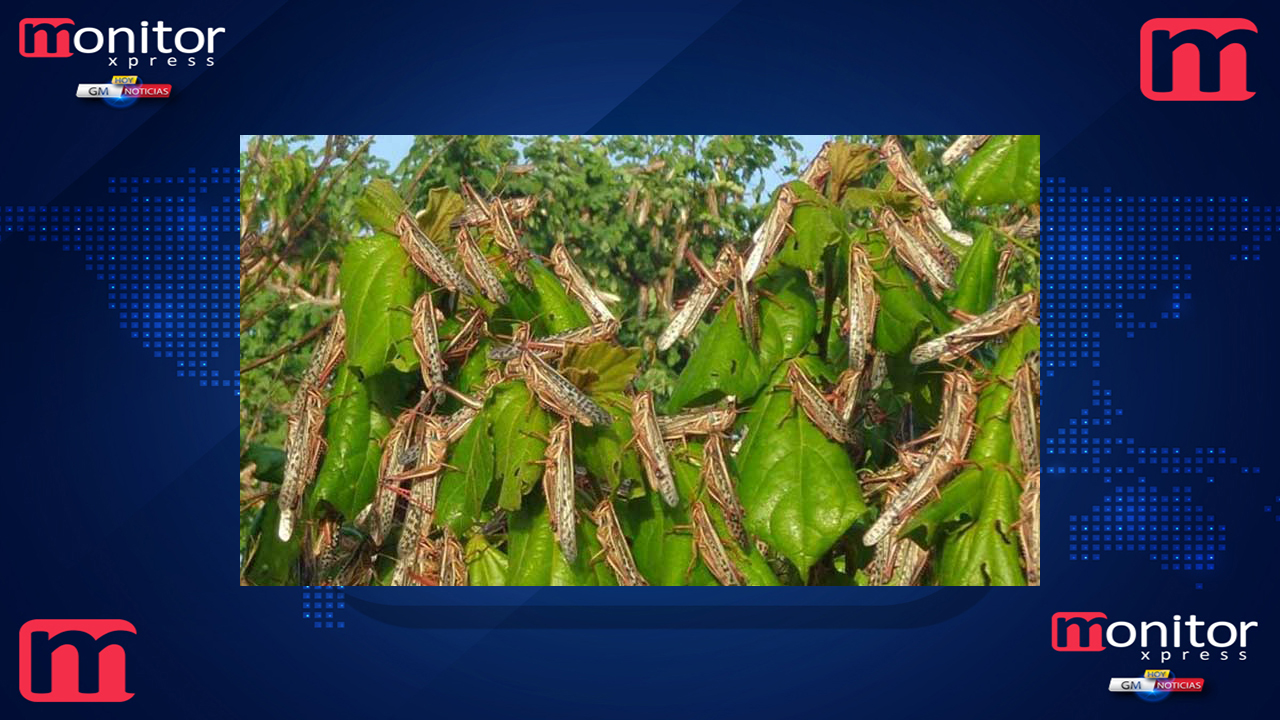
x: 380, y: 205
x: 664, y: 554
x: 849, y: 162
x: 797, y: 486
x: 904, y: 312
x: 270, y: 462
x: 486, y: 564
x: 349, y: 476
x: 817, y: 222
x: 535, y: 557
x: 465, y: 483
x: 443, y: 206
x: 274, y: 562
x: 601, y: 367
x: 986, y: 552
x: 788, y: 319
x: 1004, y: 170
x: 379, y: 286
x: 975, y: 289
x: 600, y: 449
x: 548, y: 306
x: 722, y: 364
x: 519, y: 427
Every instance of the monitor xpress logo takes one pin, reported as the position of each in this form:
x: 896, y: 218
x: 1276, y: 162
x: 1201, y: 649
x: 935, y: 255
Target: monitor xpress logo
x: 143, y: 46
x: 1084, y: 632
x: 74, y: 660
x: 1197, y: 59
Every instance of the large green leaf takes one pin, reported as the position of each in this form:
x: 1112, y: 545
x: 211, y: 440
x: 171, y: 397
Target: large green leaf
x: 535, y: 557
x: 486, y: 564
x: 818, y: 223
x: 849, y: 162
x: 722, y: 364
x: 1006, y: 169
x: 606, y: 451
x: 465, y: 483
x: 349, y: 476
x: 788, y: 319
x: 379, y: 286
x: 797, y: 486
x: 976, y: 277
x: 520, y: 427
x: 986, y: 552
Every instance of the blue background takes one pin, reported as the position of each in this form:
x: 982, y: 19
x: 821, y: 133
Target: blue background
x: 120, y: 472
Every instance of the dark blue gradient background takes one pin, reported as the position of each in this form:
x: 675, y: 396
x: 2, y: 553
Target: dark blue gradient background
x: 120, y: 473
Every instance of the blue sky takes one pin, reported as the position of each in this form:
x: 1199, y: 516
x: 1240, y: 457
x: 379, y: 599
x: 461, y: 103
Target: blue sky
x: 393, y: 148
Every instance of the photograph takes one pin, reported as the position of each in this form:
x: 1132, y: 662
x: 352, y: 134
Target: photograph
x: 784, y: 360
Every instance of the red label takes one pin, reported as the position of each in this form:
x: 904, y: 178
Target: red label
x: 145, y: 91
x: 44, y: 37
x: 74, y: 660
x: 1180, y: 685
x: 1196, y: 59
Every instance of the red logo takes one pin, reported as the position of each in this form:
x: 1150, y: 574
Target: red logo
x: 41, y: 37
x: 1069, y: 632
x: 74, y: 660
x: 1196, y: 59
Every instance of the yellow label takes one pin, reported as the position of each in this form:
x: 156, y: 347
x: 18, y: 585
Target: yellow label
x: 124, y: 79
x: 1155, y: 674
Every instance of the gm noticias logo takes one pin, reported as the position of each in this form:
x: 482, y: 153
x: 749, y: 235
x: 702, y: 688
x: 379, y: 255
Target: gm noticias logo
x: 74, y: 660
x: 1196, y: 59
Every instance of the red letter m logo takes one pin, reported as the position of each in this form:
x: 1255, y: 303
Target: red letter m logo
x: 1196, y: 59
x: 40, y: 37
x: 74, y: 660
x: 1069, y: 632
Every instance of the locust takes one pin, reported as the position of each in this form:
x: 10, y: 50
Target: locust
x: 744, y: 304
x: 954, y: 431
x: 928, y: 240
x: 963, y: 145
x: 401, y: 450
x: 555, y: 391
x: 503, y: 234
x: 477, y: 211
x: 576, y: 284
x: 417, y: 524
x: 479, y: 270
x: 715, y: 475
x: 911, y: 251
x: 426, y: 340
x: 818, y: 169
x: 711, y: 549
x: 687, y: 317
x: 769, y: 236
x: 557, y: 484
x: 863, y: 302
x: 816, y: 405
x: 304, y: 442
x: 699, y: 421
x: 467, y: 337
x: 453, y: 562
x: 847, y: 393
x: 902, y: 170
x: 968, y: 337
x: 429, y: 258
x: 614, y: 545
x: 652, y: 448
x: 1033, y: 361
x: 1029, y: 525
x: 909, y: 463
x: 555, y: 345
x: 1024, y: 418
x: 327, y: 354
